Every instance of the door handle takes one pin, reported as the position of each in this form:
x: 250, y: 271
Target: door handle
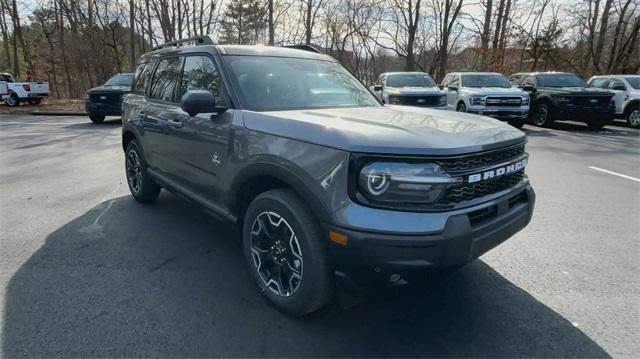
x: 174, y: 123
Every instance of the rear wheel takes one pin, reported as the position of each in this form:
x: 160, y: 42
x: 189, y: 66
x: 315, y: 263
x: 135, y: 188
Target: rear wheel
x: 142, y: 187
x: 96, y: 118
x: 461, y: 107
x: 12, y: 100
x: 285, y: 253
x: 633, y: 117
x: 34, y: 101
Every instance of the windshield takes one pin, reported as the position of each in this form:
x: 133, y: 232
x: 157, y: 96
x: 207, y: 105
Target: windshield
x: 120, y: 80
x: 560, y: 80
x: 485, y: 80
x: 410, y: 80
x: 279, y: 83
x: 634, y: 82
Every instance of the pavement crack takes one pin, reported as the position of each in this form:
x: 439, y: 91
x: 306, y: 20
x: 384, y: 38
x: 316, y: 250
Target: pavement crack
x: 164, y: 263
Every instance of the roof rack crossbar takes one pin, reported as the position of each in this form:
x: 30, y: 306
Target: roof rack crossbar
x: 304, y: 47
x: 197, y: 40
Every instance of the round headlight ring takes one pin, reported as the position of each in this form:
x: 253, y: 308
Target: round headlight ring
x: 377, y: 183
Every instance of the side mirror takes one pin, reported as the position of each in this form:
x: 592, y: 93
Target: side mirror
x: 377, y: 87
x: 453, y: 88
x: 528, y: 88
x: 199, y: 101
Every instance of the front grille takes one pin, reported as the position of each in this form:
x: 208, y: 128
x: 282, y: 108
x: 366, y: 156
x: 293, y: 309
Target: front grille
x: 108, y: 97
x: 472, y: 162
x: 427, y: 101
x: 468, y: 192
x: 503, y: 101
x: 587, y: 100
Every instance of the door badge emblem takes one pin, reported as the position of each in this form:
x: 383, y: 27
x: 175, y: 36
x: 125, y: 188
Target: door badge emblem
x: 215, y: 158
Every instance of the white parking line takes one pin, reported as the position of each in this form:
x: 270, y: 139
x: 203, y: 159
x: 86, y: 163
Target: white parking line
x: 614, y: 173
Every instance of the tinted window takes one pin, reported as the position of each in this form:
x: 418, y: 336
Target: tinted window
x: 485, y: 80
x: 120, y: 80
x: 165, y: 79
x: 616, y: 85
x: 529, y: 81
x: 141, y: 77
x: 455, y: 82
x: 200, y: 73
x: 560, y: 80
x: 599, y: 82
x: 278, y: 83
x: 634, y: 82
x: 410, y: 80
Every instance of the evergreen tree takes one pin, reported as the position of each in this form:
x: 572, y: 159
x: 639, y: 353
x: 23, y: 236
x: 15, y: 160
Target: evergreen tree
x: 244, y: 22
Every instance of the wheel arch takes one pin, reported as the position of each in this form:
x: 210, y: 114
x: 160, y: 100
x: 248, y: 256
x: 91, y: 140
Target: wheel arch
x: 259, y: 178
x: 127, y: 136
x: 629, y: 106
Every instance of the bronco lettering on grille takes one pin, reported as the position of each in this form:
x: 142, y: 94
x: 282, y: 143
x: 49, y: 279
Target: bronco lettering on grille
x: 497, y: 172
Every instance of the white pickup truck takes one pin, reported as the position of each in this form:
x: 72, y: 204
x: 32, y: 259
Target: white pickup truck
x: 31, y: 92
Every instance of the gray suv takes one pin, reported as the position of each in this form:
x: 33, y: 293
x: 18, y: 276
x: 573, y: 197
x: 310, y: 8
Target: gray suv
x: 320, y: 177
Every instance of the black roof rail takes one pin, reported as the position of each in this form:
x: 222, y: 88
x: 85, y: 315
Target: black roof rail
x: 196, y: 40
x: 304, y: 47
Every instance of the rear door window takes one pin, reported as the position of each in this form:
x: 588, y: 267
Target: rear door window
x: 165, y: 79
x: 141, y: 77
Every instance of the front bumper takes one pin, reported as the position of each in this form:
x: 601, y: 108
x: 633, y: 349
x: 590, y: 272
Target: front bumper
x: 104, y: 109
x: 577, y: 113
x: 455, y: 238
x: 502, y: 114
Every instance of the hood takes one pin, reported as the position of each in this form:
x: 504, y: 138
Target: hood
x: 400, y: 130
x: 576, y: 90
x: 493, y: 91
x: 414, y: 91
x: 110, y: 89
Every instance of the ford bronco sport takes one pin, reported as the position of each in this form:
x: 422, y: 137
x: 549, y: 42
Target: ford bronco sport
x: 321, y: 178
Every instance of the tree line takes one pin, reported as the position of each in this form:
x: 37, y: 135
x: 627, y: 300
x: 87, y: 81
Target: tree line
x: 77, y: 44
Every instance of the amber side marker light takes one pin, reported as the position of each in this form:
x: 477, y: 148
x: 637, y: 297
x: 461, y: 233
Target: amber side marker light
x: 338, y: 238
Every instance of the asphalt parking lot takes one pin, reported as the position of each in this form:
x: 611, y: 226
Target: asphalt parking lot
x: 86, y: 271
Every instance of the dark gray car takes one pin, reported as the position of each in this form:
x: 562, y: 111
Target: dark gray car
x: 320, y: 177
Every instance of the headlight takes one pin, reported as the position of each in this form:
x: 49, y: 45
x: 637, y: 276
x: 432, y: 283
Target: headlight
x: 476, y: 100
x: 400, y: 182
x: 525, y: 100
x: 443, y: 100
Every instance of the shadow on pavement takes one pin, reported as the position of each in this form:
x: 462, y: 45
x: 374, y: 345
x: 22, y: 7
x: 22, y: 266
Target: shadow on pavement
x: 126, y: 279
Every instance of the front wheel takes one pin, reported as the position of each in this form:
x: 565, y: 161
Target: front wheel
x: 633, y: 117
x: 461, y: 107
x: 517, y: 124
x: 142, y: 187
x: 34, y: 101
x: 596, y: 125
x: 541, y: 116
x: 12, y: 100
x: 285, y: 253
x: 97, y: 119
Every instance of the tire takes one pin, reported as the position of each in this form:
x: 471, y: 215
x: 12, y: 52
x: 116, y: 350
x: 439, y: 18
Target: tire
x: 97, y: 119
x: 35, y: 101
x: 142, y: 187
x: 633, y: 117
x: 540, y: 116
x: 273, y: 218
x: 13, y: 100
x: 461, y: 107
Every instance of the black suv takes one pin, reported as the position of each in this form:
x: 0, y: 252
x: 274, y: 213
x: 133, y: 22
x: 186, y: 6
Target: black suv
x: 106, y: 100
x: 564, y: 96
x: 319, y: 176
